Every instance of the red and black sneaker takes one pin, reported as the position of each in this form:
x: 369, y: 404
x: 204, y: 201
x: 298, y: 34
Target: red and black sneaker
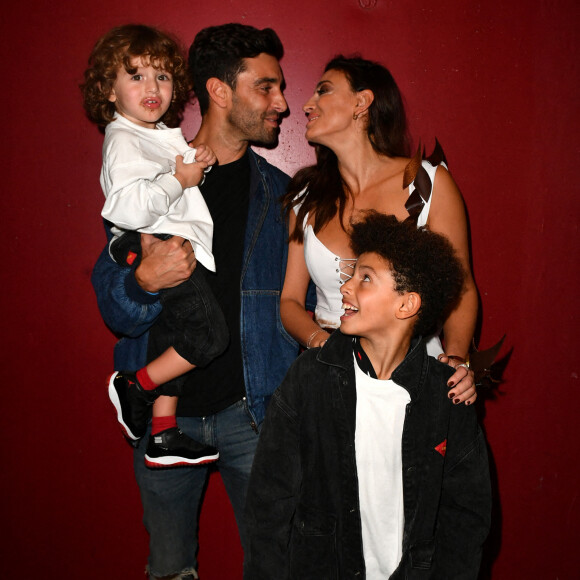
x: 132, y: 403
x: 172, y: 448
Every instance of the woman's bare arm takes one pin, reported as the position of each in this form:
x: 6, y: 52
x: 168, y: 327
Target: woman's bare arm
x: 296, y: 320
x: 447, y: 217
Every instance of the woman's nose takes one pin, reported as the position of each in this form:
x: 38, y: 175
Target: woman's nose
x: 308, y: 105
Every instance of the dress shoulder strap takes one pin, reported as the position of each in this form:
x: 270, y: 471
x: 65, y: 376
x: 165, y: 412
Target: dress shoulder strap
x: 416, y: 174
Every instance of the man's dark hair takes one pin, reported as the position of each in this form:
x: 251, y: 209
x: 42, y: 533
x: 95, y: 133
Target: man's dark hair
x: 420, y: 261
x: 219, y: 51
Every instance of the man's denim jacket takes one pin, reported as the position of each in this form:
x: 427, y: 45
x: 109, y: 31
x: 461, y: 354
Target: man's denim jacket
x: 267, y: 349
x: 302, y: 509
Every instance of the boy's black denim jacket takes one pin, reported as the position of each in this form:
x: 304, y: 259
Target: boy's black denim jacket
x: 303, y: 506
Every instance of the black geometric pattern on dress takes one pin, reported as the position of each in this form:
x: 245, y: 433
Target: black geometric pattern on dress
x: 415, y: 172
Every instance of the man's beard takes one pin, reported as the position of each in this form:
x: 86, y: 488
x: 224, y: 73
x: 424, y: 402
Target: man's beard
x: 251, y: 125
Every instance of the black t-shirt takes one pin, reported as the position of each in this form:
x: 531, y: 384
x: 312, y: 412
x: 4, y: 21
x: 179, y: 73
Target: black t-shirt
x: 226, y: 191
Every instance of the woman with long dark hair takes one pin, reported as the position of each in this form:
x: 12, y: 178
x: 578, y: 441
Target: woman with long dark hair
x: 356, y: 119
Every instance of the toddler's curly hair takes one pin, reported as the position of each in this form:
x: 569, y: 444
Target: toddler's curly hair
x: 116, y: 49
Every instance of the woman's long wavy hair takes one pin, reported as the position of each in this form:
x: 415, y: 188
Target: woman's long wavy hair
x: 387, y: 133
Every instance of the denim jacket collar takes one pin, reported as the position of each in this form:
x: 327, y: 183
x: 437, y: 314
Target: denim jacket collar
x: 258, y: 208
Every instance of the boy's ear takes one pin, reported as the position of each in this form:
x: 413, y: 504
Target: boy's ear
x: 409, y: 305
x: 219, y: 92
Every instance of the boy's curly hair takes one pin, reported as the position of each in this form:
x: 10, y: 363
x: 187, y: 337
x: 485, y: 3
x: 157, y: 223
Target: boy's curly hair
x: 116, y: 49
x: 420, y: 261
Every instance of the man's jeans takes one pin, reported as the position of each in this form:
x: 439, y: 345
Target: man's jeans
x: 172, y: 497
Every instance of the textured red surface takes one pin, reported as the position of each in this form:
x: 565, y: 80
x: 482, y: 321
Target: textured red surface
x: 497, y: 86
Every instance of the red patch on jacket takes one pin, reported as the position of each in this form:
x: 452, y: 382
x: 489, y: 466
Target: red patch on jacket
x: 131, y: 257
x: 442, y: 447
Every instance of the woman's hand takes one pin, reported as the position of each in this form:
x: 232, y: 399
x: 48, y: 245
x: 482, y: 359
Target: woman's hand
x: 462, y: 383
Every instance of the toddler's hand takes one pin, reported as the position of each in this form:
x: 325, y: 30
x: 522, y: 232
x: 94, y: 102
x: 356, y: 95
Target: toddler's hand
x: 205, y: 156
x: 188, y: 174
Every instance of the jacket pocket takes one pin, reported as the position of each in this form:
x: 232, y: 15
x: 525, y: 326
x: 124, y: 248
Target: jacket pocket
x: 313, y: 546
x: 416, y: 563
x: 421, y: 554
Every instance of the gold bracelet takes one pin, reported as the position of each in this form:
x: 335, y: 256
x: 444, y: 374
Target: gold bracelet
x: 312, y: 336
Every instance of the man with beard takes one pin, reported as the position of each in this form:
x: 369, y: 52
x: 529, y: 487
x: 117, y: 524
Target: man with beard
x: 238, y: 83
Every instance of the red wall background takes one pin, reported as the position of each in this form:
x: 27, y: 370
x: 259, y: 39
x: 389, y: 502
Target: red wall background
x: 497, y: 85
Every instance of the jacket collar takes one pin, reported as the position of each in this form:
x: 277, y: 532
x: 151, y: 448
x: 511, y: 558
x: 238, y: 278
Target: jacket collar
x: 410, y: 374
x: 258, y: 206
x: 256, y: 169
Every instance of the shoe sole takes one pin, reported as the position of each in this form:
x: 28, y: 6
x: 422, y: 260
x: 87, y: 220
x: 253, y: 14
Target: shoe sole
x: 114, y: 397
x: 176, y: 461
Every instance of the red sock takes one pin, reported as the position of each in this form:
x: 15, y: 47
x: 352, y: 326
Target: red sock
x: 145, y: 380
x: 162, y: 423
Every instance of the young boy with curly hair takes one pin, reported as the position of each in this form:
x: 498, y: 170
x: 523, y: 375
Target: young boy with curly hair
x: 364, y: 467
x: 135, y: 89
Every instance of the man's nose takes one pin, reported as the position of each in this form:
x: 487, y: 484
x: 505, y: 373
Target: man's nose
x: 280, y: 104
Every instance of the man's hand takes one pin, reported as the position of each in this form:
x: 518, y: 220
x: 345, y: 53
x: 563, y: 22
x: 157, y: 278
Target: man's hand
x: 164, y: 264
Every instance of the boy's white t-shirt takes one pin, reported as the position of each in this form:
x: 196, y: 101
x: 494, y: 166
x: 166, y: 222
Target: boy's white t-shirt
x: 380, y: 414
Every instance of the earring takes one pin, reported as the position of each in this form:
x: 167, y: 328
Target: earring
x: 354, y: 116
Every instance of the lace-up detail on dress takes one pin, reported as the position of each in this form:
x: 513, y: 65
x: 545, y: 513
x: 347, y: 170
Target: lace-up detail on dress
x: 345, y: 268
x: 328, y: 272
